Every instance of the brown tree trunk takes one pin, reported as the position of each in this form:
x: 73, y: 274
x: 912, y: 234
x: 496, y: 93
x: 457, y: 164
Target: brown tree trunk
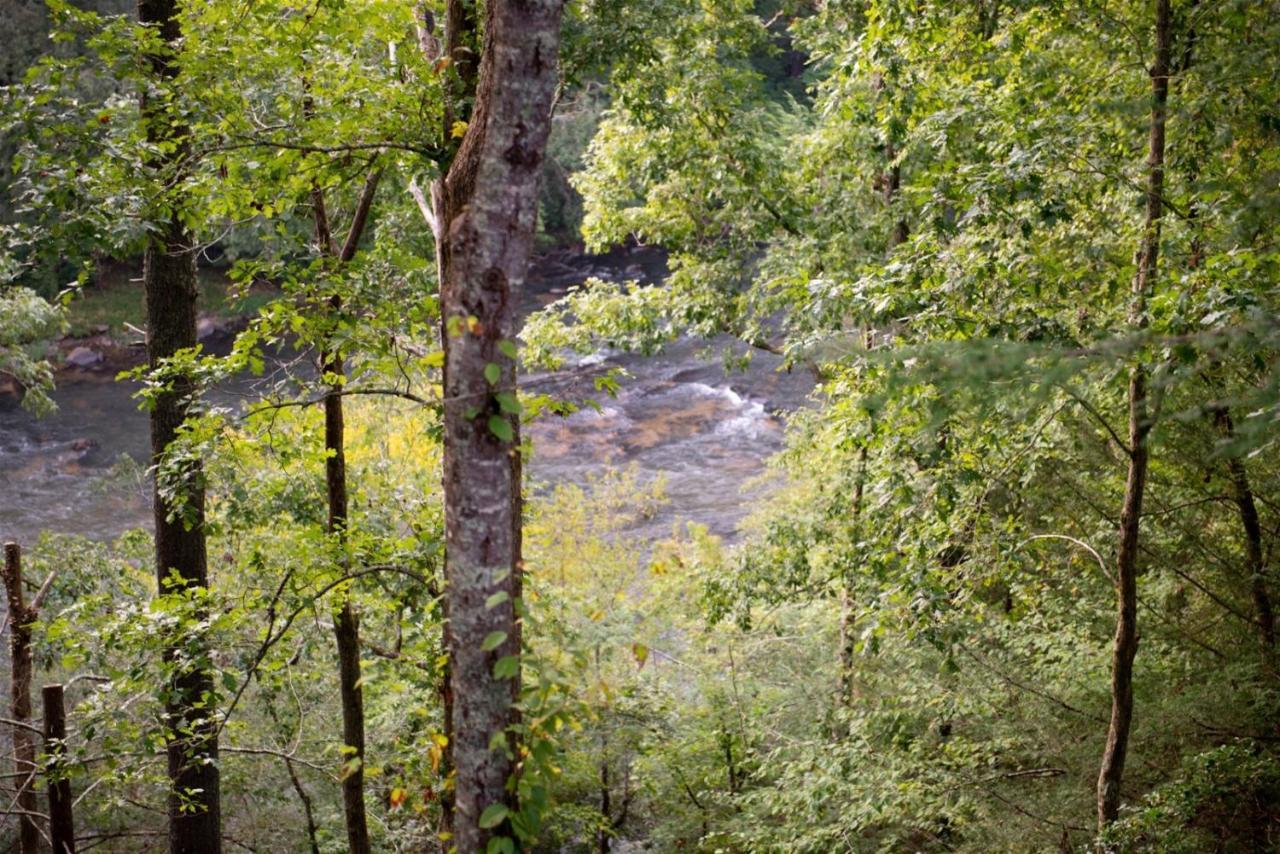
x: 24, y: 749
x: 62, y: 832
x: 486, y: 217
x: 604, y: 836
x: 1242, y: 495
x: 169, y: 279
x: 346, y: 622
x: 194, y: 815
x: 1126, y: 638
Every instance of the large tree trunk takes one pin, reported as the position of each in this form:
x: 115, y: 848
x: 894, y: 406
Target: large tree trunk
x: 169, y: 279
x: 1126, y: 638
x: 485, y: 219
x: 194, y: 816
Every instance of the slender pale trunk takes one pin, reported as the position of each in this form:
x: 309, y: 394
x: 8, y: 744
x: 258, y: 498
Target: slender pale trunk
x: 1144, y: 281
x: 486, y: 215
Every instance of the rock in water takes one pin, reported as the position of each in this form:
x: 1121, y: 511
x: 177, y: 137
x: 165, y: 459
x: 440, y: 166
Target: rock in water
x: 84, y: 357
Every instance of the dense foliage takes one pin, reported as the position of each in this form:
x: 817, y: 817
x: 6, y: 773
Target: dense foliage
x: 943, y: 211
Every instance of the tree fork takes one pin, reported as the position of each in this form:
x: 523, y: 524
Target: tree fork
x: 346, y: 623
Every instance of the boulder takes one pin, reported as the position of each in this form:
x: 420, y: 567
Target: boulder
x: 84, y: 357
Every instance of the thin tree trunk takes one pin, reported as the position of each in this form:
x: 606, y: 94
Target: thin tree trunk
x: 194, y: 813
x: 459, y: 23
x: 62, y: 832
x: 604, y: 835
x: 1242, y: 495
x: 307, y: 810
x: 346, y: 623
x: 890, y: 182
x: 1126, y: 638
x: 486, y: 217
x: 848, y: 605
x: 24, y: 749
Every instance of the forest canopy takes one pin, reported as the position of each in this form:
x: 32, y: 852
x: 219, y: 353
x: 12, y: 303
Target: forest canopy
x: 684, y: 425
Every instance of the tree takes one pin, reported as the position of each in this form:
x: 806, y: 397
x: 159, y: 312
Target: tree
x: 169, y: 279
x: 485, y: 218
x: 346, y: 622
x: 1140, y: 423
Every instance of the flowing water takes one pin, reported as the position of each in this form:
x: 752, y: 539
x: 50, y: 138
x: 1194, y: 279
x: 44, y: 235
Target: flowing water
x: 678, y: 416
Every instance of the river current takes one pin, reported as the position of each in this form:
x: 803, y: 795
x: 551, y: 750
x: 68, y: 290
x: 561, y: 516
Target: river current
x: 678, y: 416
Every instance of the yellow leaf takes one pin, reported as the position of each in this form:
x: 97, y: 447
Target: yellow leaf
x: 397, y: 798
x: 459, y: 130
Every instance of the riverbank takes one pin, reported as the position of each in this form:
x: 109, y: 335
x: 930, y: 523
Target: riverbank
x: 678, y: 417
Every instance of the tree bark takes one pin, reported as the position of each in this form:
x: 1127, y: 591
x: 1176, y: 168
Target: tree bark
x: 1242, y: 495
x: 169, y: 279
x: 62, y: 832
x: 346, y: 622
x: 24, y: 749
x: 486, y: 215
x: 1126, y: 637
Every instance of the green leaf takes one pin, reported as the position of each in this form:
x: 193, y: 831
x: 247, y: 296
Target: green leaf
x: 508, y: 402
x: 499, y: 427
x: 506, y: 667
x: 495, y: 600
x: 508, y: 348
x: 492, y: 373
x: 493, y: 641
x: 493, y: 815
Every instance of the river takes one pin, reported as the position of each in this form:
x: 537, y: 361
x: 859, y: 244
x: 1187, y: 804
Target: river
x: 678, y: 416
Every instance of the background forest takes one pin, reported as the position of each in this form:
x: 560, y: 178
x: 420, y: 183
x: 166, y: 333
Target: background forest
x: 1005, y: 584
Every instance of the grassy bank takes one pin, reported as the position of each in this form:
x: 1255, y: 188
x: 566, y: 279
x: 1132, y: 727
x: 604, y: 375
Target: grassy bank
x: 117, y: 299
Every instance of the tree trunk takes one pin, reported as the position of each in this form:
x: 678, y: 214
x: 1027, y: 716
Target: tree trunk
x: 890, y: 182
x: 194, y: 817
x: 169, y: 279
x: 1242, y: 495
x: 346, y: 622
x: 1126, y: 638
x: 24, y: 749
x: 486, y: 217
x: 604, y: 836
x: 62, y: 832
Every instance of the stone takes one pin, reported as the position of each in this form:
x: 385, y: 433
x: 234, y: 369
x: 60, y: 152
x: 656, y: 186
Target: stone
x: 84, y: 357
x: 207, y: 328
